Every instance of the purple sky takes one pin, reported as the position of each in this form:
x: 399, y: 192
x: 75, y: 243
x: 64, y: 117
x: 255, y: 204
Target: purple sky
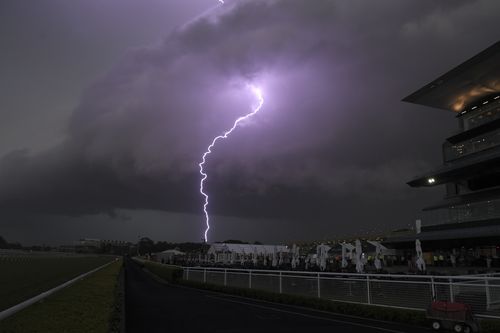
x: 108, y: 106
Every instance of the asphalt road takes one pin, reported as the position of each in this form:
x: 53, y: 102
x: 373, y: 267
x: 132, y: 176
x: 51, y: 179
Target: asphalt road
x: 152, y: 306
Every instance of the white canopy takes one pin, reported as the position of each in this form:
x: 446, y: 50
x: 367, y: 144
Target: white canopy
x: 173, y: 252
x: 246, y: 249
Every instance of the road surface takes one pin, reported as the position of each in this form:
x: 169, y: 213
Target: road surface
x: 152, y: 306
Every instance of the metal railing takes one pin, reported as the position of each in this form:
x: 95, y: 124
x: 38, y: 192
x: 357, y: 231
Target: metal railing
x: 414, y: 292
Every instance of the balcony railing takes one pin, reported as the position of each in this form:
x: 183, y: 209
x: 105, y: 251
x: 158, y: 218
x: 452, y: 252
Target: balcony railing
x: 485, y: 114
x: 464, y: 213
x: 454, y: 151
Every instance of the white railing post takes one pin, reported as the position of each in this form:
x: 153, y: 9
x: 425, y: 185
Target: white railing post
x: 368, y: 296
x: 433, y: 289
x: 452, y: 297
x: 225, y: 277
x: 280, y: 284
x: 205, y: 275
x: 187, y: 273
x: 250, y: 279
x: 319, y: 287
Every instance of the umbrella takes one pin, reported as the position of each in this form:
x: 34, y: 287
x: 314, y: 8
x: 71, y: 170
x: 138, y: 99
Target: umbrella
x: 346, y: 247
x: 242, y: 257
x: 359, y: 262
x: 232, y: 257
x: 420, y: 256
x: 254, y: 256
x: 322, y: 255
x: 295, y: 256
x: 274, y: 262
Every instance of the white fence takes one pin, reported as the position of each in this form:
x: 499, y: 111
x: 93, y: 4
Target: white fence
x: 401, y: 291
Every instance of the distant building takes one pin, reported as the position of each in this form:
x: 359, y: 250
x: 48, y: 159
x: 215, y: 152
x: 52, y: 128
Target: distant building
x: 469, y: 214
x: 94, y: 245
x: 169, y: 256
x: 83, y: 245
x: 67, y: 248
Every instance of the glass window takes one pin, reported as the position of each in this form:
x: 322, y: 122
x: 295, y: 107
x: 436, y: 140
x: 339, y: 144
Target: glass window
x: 485, y: 141
x: 485, y: 114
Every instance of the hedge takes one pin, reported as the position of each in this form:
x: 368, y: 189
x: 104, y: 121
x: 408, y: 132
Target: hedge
x: 169, y: 273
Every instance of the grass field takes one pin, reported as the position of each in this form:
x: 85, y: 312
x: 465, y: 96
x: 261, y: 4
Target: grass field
x: 24, y: 277
x: 89, y: 305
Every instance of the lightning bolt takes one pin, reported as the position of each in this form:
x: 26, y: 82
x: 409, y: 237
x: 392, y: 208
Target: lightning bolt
x: 225, y: 135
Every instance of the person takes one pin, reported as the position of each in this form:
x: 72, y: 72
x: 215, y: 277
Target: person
x: 488, y: 262
x: 453, y: 260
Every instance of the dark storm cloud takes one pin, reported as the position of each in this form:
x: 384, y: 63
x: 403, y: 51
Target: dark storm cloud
x: 332, y: 134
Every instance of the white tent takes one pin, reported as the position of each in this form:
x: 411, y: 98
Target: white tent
x: 239, y: 250
x: 168, y: 256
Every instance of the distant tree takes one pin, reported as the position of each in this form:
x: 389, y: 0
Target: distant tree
x: 106, y: 248
x: 190, y: 247
x: 3, y: 243
x: 16, y: 246
x: 257, y: 243
x: 161, y: 246
x: 234, y: 241
x: 146, y: 245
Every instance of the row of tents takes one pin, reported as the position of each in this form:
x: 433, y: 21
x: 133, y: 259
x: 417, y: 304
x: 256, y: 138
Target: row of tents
x: 257, y: 255
x: 279, y: 255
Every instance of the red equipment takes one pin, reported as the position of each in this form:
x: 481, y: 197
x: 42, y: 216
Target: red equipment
x: 450, y: 315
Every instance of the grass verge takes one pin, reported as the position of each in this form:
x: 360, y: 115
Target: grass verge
x: 21, y: 279
x: 172, y: 274
x: 490, y: 326
x: 89, y: 305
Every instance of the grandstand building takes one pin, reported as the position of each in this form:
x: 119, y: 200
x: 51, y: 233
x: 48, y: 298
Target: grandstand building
x: 469, y: 214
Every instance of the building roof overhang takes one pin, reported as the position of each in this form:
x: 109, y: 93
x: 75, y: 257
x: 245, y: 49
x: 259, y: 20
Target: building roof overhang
x: 451, y: 234
x: 474, y: 164
x: 469, y: 82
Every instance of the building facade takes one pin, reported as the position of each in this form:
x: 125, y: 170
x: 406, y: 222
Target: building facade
x: 469, y: 213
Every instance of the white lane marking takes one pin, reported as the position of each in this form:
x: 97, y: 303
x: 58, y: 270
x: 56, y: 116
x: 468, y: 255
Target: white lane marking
x: 306, y: 315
